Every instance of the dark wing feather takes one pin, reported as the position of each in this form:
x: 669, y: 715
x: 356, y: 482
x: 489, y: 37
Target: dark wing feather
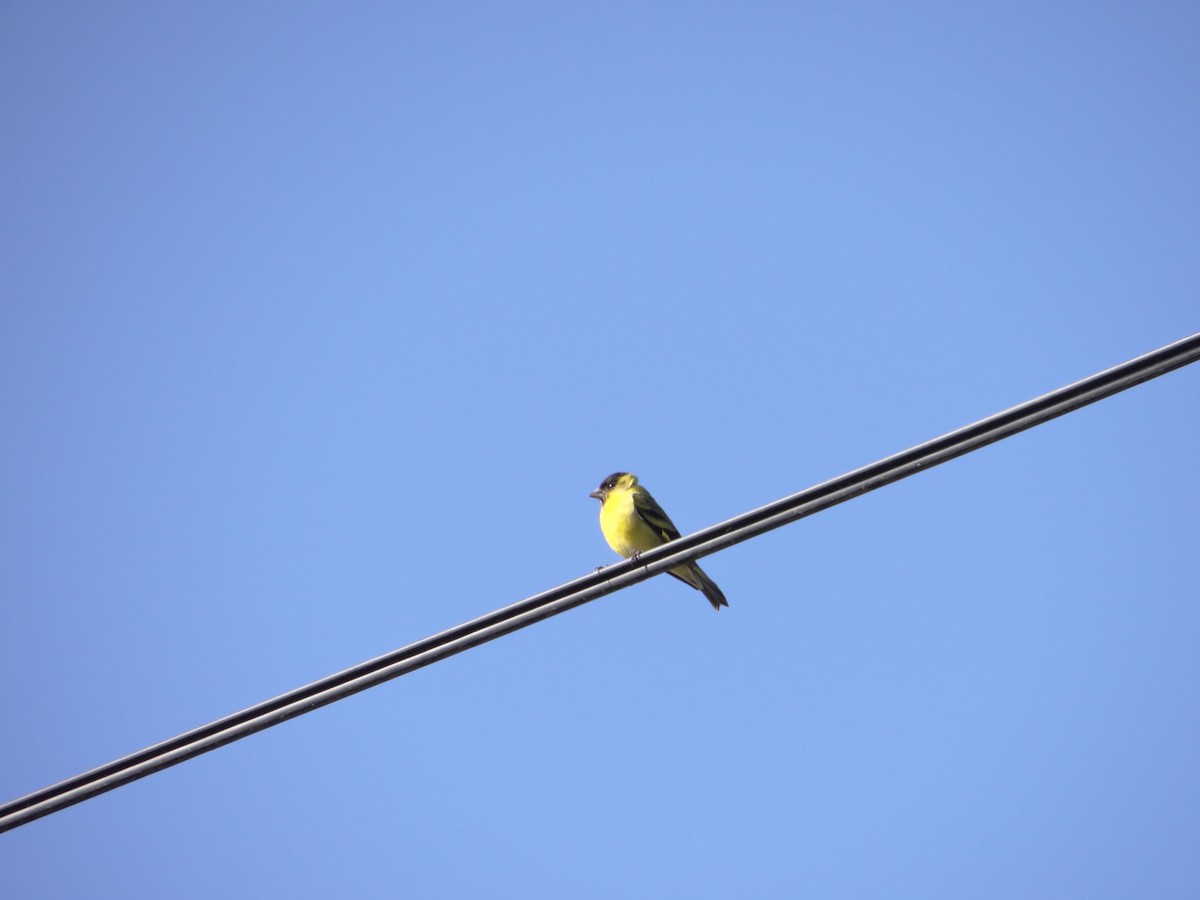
x: 653, y: 516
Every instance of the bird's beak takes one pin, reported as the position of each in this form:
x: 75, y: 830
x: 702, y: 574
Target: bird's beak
x: 598, y: 494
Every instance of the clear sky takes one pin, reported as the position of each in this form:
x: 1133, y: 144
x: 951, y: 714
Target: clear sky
x: 318, y: 323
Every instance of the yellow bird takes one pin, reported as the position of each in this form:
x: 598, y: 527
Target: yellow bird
x: 632, y: 523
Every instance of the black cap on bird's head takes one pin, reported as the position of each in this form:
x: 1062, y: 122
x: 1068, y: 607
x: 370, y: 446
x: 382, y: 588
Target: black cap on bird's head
x: 611, y: 482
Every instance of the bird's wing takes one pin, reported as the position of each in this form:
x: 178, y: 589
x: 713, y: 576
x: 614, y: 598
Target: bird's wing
x: 652, y: 514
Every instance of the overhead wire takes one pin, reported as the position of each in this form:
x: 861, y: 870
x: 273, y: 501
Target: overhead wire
x: 596, y: 584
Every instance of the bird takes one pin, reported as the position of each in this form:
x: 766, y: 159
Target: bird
x: 632, y: 523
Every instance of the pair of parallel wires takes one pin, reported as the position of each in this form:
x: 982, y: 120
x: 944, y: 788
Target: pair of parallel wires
x: 597, y: 584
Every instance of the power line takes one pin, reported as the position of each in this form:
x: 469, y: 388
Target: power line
x: 596, y: 584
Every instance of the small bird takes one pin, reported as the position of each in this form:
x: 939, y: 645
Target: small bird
x: 632, y: 523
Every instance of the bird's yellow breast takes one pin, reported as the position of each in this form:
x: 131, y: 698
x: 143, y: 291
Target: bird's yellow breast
x: 626, y: 532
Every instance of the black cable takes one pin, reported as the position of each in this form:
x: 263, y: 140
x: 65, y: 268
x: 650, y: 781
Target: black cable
x: 596, y: 584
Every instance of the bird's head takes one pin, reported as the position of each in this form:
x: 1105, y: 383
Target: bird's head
x: 615, y: 481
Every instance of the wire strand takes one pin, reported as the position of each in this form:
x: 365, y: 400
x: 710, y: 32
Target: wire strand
x: 612, y: 578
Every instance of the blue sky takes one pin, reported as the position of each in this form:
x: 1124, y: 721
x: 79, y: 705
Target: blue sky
x: 320, y: 321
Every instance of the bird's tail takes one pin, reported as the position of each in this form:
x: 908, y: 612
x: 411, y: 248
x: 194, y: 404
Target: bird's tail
x: 695, y: 576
